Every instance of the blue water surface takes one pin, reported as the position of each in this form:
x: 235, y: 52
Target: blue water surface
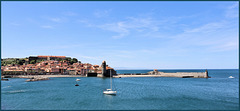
x: 144, y: 93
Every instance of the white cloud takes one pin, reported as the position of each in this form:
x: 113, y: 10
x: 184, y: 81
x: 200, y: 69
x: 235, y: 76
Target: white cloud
x: 227, y: 46
x: 146, y: 26
x: 69, y: 13
x: 232, y: 11
x: 209, y: 37
x: 116, y: 27
x: 102, y: 13
x: 15, y: 24
x: 130, y: 25
x: 47, y: 26
x: 235, y: 5
x: 124, y: 56
x: 206, y: 28
x: 85, y: 22
x: 90, y: 57
x: 55, y: 19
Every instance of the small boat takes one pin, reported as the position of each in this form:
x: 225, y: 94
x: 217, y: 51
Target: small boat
x: 77, y: 79
x: 76, y: 85
x: 110, y: 91
x: 4, y: 79
x: 230, y: 77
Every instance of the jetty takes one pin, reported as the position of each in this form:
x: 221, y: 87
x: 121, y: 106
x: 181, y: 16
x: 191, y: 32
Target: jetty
x: 36, y: 79
x: 156, y: 73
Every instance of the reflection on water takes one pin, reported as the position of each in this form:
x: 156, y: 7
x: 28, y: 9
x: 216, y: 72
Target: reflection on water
x: 109, y: 96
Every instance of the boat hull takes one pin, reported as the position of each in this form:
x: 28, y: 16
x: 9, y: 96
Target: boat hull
x: 110, y: 92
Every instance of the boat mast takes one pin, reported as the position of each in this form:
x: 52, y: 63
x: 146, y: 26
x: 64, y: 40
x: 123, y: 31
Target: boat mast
x: 111, y: 79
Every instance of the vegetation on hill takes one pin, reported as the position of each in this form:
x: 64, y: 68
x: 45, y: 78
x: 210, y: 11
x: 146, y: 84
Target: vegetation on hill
x: 13, y: 61
x: 21, y: 61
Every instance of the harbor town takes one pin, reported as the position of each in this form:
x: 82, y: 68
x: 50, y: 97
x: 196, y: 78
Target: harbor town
x: 43, y: 67
x: 53, y: 65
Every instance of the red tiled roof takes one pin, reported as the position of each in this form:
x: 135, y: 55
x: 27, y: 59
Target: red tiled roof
x: 108, y: 68
x: 42, y: 56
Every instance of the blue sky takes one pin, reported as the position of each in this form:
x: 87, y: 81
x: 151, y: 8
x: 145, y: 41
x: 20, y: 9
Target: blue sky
x: 128, y: 35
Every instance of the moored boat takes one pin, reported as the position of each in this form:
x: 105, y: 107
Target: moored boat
x: 76, y: 85
x: 110, y: 91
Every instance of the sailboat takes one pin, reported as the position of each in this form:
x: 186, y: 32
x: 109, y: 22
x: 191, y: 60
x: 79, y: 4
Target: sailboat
x: 110, y: 91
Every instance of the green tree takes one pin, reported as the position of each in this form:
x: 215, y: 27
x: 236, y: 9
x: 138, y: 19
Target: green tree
x: 39, y: 60
x: 3, y: 63
x: 59, y: 59
x: 21, y: 61
x: 32, y: 62
x: 74, y: 60
x: 68, y: 59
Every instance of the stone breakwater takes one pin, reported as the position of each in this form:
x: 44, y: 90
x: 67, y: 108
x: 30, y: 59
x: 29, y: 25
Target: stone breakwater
x: 156, y: 73
x: 36, y: 79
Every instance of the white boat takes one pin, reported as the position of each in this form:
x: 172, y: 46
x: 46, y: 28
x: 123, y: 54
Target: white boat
x: 77, y: 79
x: 110, y: 91
x: 230, y: 77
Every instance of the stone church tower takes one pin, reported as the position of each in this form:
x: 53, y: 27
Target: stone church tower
x: 104, y: 68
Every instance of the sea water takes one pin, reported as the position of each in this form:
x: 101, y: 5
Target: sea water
x: 136, y: 93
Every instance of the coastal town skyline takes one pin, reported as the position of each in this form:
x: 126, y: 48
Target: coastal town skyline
x: 60, y: 65
x: 150, y: 35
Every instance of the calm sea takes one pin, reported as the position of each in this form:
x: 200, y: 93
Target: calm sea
x: 150, y: 93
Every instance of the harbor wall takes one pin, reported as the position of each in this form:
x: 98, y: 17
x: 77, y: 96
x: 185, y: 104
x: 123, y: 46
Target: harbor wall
x: 156, y: 73
x: 185, y: 74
